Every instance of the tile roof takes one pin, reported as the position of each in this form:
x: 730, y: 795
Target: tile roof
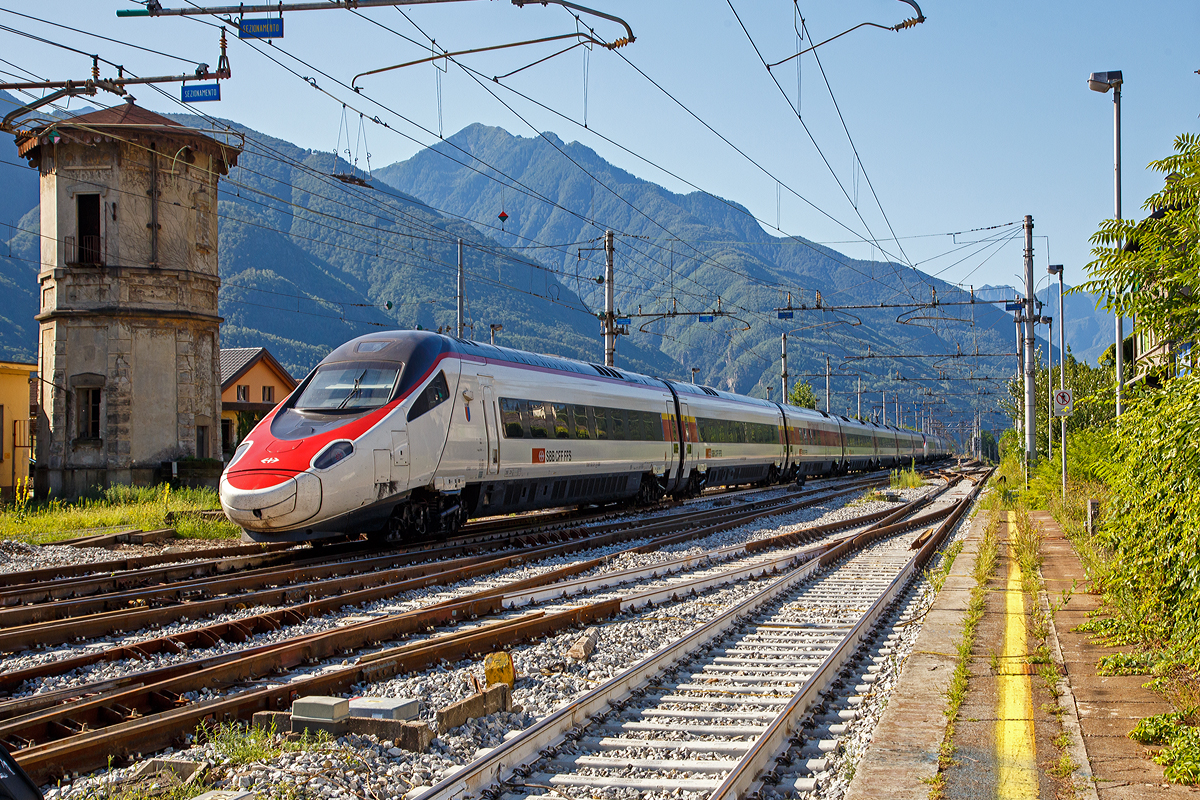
x: 122, y: 114
x: 236, y: 359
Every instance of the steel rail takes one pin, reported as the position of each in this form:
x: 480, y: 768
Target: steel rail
x: 49, y: 585
x: 92, y: 749
x: 16, y: 579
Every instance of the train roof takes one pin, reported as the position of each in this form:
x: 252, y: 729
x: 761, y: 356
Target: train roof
x: 404, y: 345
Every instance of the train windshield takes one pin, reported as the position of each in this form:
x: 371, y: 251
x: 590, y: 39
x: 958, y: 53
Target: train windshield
x: 348, y: 387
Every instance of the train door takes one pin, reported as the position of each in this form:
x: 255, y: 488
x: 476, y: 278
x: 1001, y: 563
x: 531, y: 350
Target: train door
x: 671, y: 440
x: 491, y: 432
x: 400, y: 456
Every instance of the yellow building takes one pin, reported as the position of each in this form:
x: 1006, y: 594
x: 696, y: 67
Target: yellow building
x: 15, y: 429
x: 252, y: 383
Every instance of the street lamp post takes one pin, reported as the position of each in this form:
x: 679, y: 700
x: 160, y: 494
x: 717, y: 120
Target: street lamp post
x: 694, y: 371
x: 1102, y: 82
x: 1049, y: 323
x: 495, y: 329
x: 1057, y: 269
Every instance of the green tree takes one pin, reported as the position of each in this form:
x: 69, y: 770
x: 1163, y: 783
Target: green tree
x: 1151, y: 268
x: 1091, y: 386
x: 802, y: 395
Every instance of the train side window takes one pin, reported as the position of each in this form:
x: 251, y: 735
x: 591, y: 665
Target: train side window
x: 540, y: 419
x: 582, y: 428
x: 601, y: 417
x: 433, y: 395
x: 510, y: 417
x: 562, y: 421
x: 616, y: 424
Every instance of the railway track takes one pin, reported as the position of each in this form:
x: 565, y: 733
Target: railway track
x: 719, y: 710
x: 149, y: 710
x: 33, y: 616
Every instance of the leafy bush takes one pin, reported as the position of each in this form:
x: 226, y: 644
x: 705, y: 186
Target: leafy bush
x: 1153, y: 515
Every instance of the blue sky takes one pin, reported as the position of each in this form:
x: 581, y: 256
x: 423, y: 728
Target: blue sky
x: 973, y: 119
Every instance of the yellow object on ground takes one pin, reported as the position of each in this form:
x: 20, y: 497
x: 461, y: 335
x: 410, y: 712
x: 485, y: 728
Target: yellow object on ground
x: 498, y: 668
x: 1015, y: 759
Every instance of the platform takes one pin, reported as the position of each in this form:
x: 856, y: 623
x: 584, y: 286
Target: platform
x: 1012, y: 734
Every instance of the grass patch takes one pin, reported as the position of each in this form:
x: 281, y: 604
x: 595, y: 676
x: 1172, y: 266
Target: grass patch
x: 1127, y: 664
x: 906, y: 478
x: 144, y: 507
x: 937, y: 577
x: 163, y: 787
x: 239, y: 744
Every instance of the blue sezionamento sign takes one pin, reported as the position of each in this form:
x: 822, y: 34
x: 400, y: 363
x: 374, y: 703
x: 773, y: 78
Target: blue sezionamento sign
x: 199, y: 92
x: 260, y: 28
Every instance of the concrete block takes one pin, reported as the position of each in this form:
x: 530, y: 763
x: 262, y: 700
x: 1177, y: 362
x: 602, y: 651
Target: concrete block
x: 414, y: 735
x: 585, y: 645
x: 330, y: 709
x: 384, y: 707
x: 185, y: 771
x: 315, y: 726
x: 279, y: 721
x: 497, y: 697
x: 456, y: 714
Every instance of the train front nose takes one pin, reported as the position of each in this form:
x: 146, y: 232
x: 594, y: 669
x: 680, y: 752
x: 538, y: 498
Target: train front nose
x: 263, y: 500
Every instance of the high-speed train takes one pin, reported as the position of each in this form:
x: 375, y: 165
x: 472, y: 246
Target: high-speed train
x: 411, y: 433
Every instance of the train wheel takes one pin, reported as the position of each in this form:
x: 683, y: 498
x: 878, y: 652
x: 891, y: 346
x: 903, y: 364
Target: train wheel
x: 420, y: 521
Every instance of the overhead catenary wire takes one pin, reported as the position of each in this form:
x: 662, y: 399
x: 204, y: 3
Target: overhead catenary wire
x: 873, y: 238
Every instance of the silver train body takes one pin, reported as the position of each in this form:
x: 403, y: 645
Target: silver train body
x: 411, y: 433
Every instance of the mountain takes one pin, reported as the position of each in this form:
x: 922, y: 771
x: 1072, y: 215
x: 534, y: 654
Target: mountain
x: 314, y: 252
x: 684, y: 251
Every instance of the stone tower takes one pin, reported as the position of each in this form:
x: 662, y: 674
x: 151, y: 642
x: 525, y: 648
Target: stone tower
x: 128, y: 347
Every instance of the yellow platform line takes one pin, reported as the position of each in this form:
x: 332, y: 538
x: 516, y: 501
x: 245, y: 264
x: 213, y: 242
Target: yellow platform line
x: 1016, y: 764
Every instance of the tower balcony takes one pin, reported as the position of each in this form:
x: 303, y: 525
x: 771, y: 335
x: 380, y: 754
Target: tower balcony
x: 83, y: 251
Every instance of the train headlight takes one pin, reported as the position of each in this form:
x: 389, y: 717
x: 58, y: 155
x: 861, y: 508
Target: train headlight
x: 237, y: 454
x: 332, y: 454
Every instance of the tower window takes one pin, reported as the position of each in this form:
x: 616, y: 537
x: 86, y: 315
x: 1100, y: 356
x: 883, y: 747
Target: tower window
x: 268, y: 394
x: 88, y: 413
x: 243, y: 393
x: 90, y: 249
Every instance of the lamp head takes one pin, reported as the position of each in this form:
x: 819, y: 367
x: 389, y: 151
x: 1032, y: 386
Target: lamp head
x: 1103, y: 81
x: 1055, y: 269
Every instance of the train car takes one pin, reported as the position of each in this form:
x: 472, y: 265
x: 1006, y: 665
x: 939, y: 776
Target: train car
x: 861, y: 445
x: 409, y: 433
x: 814, y: 442
x: 889, y: 446
x: 729, y: 439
